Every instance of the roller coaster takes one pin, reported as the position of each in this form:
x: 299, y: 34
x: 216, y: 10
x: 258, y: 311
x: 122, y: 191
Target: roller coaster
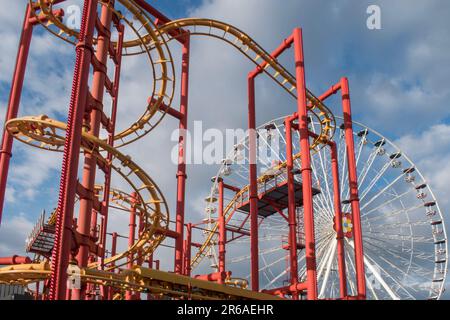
x: 341, y: 214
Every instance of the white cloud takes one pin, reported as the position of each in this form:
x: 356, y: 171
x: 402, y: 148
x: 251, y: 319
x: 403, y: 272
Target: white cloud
x: 399, y: 80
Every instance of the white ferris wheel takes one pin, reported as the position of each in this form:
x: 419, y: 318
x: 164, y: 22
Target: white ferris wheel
x: 404, y: 235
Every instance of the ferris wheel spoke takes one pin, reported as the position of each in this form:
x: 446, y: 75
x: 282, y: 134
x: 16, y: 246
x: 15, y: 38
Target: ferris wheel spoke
x: 269, y: 270
x: 377, y: 271
x: 375, y: 181
x: 329, y: 200
x: 373, y: 267
x: 322, y: 260
x: 389, y: 202
x: 368, y: 166
x: 350, y: 266
x: 272, y: 264
x: 328, y: 268
x: 381, y: 192
x: 247, y: 257
x: 400, y: 237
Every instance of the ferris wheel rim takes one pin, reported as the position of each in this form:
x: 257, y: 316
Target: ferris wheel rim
x: 214, y: 256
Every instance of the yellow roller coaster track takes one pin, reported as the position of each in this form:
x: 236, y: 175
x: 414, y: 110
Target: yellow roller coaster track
x: 157, y: 39
x: 138, y: 279
x: 44, y: 133
x: 48, y: 134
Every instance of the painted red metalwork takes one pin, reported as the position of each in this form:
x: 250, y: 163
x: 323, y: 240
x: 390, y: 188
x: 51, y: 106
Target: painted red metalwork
x: 131, y: 238
x: 64, y: 226
x: 181, y: 174
x: 338, y: 221
x: 76, y: 238
x: 253, y: 174
x: 188, y: 250
x: 90, y: 163
x: 8, y: 261
x: 310, y: 243
x: 222, y: 232
x: 354, y: 191
x: 292, y: 217
x: 14, y: 102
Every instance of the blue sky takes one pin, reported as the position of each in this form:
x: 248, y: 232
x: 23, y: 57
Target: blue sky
x: 399, y: 79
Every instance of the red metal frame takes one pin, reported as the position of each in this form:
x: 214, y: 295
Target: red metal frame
x: 14, y: 102
x: 74, y: 237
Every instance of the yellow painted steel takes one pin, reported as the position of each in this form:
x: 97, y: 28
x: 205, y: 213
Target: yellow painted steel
x: 160, y: 58
x: 156, y: 38
x: 48, y: 134
x: 138, y: 279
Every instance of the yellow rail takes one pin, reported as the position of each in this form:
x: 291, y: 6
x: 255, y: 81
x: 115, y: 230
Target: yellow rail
x: 143, y: 280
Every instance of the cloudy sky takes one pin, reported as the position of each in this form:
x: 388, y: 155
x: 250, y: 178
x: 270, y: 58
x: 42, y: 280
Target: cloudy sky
x: 399, y: 78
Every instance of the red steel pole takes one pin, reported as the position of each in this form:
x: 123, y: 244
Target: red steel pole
x: 253, y: 174
x: 69, y: 174
x: 188, y: 250
x: 107, y: 185
x: 338, y: 221
x: 222, y: 234
x: 14, y: 103
x: 354, y: 192
x: 131, y: 238
x: 9, y: 261
x: 310, y: 249
x: 253, y: 177
x: 292, y: 217
x: 181, y: 174
x: 90, y: 163
x: 113, y: 253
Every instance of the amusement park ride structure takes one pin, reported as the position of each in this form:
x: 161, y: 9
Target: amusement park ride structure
x: 72, y: 256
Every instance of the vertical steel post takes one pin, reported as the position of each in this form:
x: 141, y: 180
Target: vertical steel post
x: 253, y: 177
x: 131, y: 238
x: 113, y: 254
x: 188, y: 250
x: 310, y: 249
x: 293, y: 256
x: 14, y: 102
x: 338, y: 222
x: 107, y: 185
x: 354, y: 192
x: 181, y: 174
x: 222, y: 234
x: 69, y: 174
x: 90, y: 163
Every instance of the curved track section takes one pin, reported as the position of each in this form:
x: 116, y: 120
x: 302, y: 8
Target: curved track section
x: 48, y: 134
x: 255, y: 53
x: 142, y: 31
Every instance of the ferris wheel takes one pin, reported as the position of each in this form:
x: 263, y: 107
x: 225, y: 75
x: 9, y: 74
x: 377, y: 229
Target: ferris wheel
x: 404, y: 235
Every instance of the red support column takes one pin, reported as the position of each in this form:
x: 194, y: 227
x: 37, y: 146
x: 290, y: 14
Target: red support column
x: 181, y: 174
x: 90, y: 163
x: 253, y: 174
x: 188, y: 250
x: 292, y: 217
x: 14, y: 103
x: 107, y: 185
x: 354, y: 192
x: 131, y: 238
x: 310, y: 249
x: 113, y: 253
x: 69, y: 175
x: 222, y: 234
x: 254, y: 257
x: 338, y: 222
